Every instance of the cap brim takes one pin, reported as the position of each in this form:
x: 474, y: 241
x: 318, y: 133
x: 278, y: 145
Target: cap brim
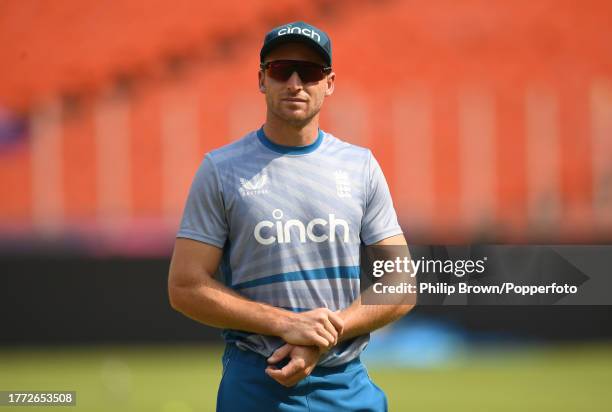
x: 299, y: 38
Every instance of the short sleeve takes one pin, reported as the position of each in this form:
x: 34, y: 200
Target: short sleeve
x: 380, y: 220
x: 204, y: 215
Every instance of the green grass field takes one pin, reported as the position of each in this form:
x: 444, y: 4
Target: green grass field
x: 185, y: 378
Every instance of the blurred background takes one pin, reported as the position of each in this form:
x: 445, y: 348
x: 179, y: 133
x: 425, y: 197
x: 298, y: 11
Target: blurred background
x: 492, y: 121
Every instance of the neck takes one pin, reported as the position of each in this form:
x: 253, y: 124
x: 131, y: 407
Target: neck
x: 286, y: 134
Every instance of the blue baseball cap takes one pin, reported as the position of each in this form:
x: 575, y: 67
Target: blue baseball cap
x: 300, y: 32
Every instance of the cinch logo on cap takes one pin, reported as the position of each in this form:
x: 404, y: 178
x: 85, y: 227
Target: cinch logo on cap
x: 305, y: 32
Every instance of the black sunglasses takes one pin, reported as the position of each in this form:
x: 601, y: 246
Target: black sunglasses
x: 282, y: 70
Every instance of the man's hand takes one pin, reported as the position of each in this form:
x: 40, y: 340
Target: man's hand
x: 303, y: 361
x: 319, y: 327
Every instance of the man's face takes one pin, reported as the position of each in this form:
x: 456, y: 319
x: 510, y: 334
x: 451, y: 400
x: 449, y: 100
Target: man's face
x: 294, y: 101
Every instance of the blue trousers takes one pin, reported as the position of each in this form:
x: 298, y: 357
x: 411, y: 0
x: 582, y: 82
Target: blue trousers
x: 246, y: 387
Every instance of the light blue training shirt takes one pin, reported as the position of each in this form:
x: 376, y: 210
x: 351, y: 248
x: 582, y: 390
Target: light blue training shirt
x: 290, y: 221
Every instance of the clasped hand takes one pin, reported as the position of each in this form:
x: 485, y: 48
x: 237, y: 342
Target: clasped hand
x: 308, y: 336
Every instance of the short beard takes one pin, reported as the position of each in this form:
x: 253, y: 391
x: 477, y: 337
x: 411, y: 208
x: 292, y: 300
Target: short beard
x: 296, y: 123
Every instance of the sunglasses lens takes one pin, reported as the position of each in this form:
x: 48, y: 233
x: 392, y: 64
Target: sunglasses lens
x: 282, y: 70
x: 310, y: 73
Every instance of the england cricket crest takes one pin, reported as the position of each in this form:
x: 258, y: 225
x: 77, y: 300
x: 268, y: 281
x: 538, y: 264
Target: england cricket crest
x: 343, y: 184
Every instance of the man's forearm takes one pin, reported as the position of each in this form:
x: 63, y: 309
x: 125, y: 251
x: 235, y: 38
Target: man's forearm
x: 214, y: 304
x: 360, y: 319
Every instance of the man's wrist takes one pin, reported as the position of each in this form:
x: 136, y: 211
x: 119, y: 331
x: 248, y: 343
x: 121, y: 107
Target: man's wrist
x: 345, y: 314
x: 281, y: 321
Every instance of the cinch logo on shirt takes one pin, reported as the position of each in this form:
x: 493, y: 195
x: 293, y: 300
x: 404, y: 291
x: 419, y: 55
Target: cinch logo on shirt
x: 280, y: 232
x: 306, y: 32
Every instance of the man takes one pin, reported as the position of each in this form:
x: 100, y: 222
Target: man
x: 282, y: 213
